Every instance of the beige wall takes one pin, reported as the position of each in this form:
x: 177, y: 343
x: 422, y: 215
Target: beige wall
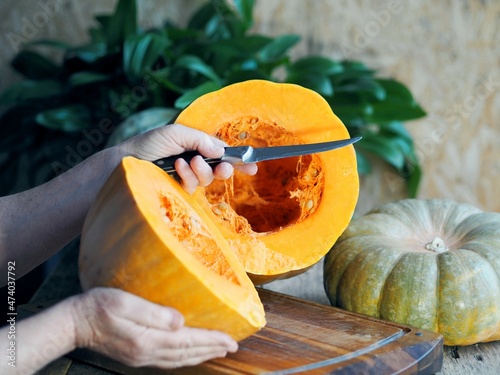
x: 447, y: 52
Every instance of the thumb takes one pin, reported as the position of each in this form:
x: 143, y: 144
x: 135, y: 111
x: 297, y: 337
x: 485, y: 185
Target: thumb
x: 193, y: 139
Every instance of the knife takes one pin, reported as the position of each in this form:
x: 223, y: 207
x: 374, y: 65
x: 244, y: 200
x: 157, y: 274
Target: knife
x: 249, y: 154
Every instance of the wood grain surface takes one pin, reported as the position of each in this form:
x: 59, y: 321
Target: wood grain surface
x: 302, y: 336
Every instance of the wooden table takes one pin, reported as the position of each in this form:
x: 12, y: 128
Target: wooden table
x: 481, y: 359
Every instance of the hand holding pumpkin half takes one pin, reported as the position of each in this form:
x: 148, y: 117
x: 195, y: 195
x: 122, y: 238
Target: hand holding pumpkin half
x: 139, y: 333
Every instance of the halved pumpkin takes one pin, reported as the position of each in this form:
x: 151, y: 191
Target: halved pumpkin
x: 283, y: 220
x: 145, y: 235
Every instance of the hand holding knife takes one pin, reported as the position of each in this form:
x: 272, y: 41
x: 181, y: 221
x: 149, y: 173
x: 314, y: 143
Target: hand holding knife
x: 249, y: 154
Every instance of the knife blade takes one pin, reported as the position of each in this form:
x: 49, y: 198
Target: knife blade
x: 249, y: 154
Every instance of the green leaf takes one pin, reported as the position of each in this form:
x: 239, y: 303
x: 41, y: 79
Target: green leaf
x: 351, y: 65
x: 85, y: 78
x: 314, y: 81
x: 245, y: 10
x: 88, y: 53
x: 350, y: 107
x: 69, y: 119
x: 202, y: 16
x: 414, y: 175
x: 141, y: 52
x: 121, y: 24
x: 50, y: 43
x: 364, y: 165
x: 28, y: 90
x: 386, y: 148
x: 315, y: 64
x: 278, y: 47
x: 244, y: 75
x: 388, y: 111
x: 189, y: 96
x: 397, y: 92
x: 34, y: 66
x: 141, y: 122
x: 352, y: 70
x: 218, y: 21
x: 241, y: 47
x: 232, y: 54
x: 194, y: 63
x: 161, y: 75
x: 104, y: 21
x: 370, y: 88
x: 399, y: 104
x: 97, y: 35
x: 396, y: 128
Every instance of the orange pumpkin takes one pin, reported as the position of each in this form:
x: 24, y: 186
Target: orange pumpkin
x: 286, y: 218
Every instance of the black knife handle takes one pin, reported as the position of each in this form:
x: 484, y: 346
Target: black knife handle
x: 167, y: 164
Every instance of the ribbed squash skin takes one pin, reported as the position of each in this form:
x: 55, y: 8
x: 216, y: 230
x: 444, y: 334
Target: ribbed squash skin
x: 144, y: 234
x: 286, y: 218
x: 431, y: 264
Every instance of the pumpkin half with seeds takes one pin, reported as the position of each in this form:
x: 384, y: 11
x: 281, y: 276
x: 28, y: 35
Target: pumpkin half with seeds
x: 284, y: 219
x: 432, y: 264
x: 196, y: 253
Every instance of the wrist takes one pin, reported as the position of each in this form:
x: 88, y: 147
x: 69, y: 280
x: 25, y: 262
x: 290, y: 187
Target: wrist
x: 80, y: 318
x: 121, y: 150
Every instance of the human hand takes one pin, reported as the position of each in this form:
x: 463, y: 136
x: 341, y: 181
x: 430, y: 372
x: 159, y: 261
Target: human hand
x: 140, y: 333
x: 174, y: 139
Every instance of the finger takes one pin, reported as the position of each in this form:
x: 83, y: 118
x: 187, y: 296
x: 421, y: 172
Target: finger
x: 192, y: 139
x: 223, y: 171
x: 189, y: 337
x: 177, y: 348
x: 189, y: 180
x: 202, y: 170
x: 191, y: 361
x: 218, y: 142
x: 250, y: 169
x: 190, y: 342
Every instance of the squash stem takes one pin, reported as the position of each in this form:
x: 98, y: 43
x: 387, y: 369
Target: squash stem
x: 437, y: 245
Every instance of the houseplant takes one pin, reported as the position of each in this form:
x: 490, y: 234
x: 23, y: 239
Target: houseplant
x: 63, y: 111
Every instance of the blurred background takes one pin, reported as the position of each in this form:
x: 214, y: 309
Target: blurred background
x: 446, y: 53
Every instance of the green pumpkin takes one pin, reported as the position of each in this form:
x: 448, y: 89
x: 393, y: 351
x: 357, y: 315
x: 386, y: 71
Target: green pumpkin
x: 431, y: 264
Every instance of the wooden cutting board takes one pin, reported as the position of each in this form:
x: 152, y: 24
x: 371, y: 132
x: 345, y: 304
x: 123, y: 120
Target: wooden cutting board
x: 305, y: 337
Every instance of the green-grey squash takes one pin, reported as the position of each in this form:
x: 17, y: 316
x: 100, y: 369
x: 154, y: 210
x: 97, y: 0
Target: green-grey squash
x: 432, y: 264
